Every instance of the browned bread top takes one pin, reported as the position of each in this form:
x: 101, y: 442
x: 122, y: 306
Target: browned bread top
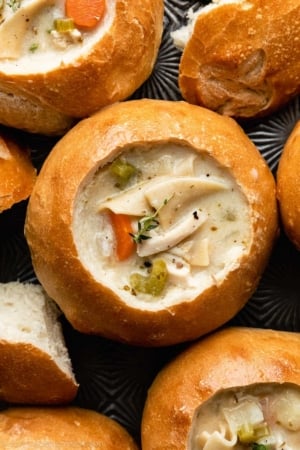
x: 17, y: 173
x: 61, y: 428
x: 288, y: 186
x: 226, y: 358
x: 242, y: 58
x: 211, y: 175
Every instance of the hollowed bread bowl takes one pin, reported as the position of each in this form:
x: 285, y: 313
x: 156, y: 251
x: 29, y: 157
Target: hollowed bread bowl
x: 51, y: 75
x: 229, y: 358
x: 151, y: 222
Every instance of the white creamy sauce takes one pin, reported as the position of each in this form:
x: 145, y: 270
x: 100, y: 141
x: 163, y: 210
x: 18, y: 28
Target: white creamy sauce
x: 29, y: 42
x: 266, y: 415
x: 204, y: 225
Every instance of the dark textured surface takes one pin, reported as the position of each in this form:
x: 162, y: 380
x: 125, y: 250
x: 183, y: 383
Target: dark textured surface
x: 113, y: 377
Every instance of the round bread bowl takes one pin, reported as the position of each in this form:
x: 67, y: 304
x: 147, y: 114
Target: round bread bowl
x: 62, y: 222
x: 227, y: 358
x: 288, y: 186
x: 17, y: 172
x: 42, y: 91
x: 61, y: 427
x: 250, y: 68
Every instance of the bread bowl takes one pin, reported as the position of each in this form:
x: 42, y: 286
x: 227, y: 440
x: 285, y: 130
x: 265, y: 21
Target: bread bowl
x: 205, y: 183
x: 257, y: 416
x: 17, y: 173
x: 35, y: 366
x: 49, y: 76
x: 61, y: 428
x: 288, y: 186
x: 241, y: 57
x: 228, y: 358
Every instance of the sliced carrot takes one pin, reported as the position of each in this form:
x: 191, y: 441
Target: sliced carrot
x: 85, y: 13
x: 122, y: 227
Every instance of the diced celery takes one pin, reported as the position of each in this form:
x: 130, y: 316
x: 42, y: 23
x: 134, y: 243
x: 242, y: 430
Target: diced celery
x: 154, y: 283
x: 248, y: 432
x: 64, y: 25
x: 122, y: 170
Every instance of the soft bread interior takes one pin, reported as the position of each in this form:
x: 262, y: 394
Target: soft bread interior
x: 182, y: 35
x: 263, y: 415
x: 29, y: 43
x: 29, y: 316
x: 197, y: 191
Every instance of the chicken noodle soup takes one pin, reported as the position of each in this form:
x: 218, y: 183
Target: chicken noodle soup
x: 263, y: 416
x: 37, y: 34
x: 186, y: 224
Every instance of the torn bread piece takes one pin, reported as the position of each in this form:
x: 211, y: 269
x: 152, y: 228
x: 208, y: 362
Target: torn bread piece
x: 35, y: 366
x: 241, y: 58
x: 166, y: 214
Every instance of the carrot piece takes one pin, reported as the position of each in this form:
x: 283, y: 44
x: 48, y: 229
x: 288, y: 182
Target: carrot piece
x: 85, y: 13
x: 122, y: 227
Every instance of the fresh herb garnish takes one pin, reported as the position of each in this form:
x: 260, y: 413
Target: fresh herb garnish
x: 256, y: 446
x: 146, y: 224
x: 14, y: 4
x: 33, y: 47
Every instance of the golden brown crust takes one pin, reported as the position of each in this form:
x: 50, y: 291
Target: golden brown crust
x: 250, y: 65
x: 61, y: 428
x: 17, y: 173
x: 110, y: 72
x: 90, y: 306
x: 227, y: 358
x: 20, y: 110
x: 30, y: 376
x: 288, y: 186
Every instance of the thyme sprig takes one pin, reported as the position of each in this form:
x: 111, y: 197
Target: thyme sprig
x: 146, y: 224
x: 14, y: 4
x: 256, y: 446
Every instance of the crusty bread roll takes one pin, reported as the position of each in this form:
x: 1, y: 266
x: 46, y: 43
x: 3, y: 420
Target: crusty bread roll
x: 227, y: 358
x: 17, y: 173
x: 288, y: 186
x: 152, y: 221
x: 48, y: 76
x: 63, y: 428
x: 256, y: 416
x: 35, y: 366
x: 241, y: 57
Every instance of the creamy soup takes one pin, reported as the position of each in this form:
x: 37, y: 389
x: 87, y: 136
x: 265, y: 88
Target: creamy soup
x: 255, y: 417
x: 186, y: 218
x: 33, y: 41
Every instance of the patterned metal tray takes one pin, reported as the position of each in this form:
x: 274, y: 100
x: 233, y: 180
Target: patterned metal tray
x: 114, y: 377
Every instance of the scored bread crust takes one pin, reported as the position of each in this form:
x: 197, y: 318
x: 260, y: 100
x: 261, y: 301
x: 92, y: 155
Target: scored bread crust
x: 243, y: 58
x: 91, y: 306
x: 288, y: 186
x: 30, y: 376
x: 116, y: 65
x: 227, y: 358
x: 17, y: 173
x: 64, y: 427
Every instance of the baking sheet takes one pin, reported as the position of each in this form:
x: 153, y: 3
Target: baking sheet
x: 114, y: 377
